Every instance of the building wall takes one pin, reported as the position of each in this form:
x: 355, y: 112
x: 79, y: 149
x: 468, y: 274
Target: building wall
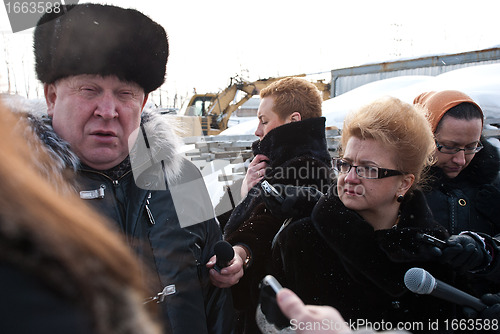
x: 346, y: 79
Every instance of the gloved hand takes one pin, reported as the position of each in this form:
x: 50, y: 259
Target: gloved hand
x: 298, y: 201
x: 464, y: 253
x: 270, y: 308
x: 406, y: 245
x: 493, y: 309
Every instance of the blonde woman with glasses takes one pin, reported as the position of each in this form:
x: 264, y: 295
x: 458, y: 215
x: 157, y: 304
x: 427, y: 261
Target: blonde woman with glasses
x: 353, y: 251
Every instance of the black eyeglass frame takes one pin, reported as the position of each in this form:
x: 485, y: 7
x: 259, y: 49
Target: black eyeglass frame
x: 476, y: 149
x: 381, y: 172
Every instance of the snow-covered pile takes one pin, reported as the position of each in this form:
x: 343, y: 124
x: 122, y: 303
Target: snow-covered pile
x: 481, y: 82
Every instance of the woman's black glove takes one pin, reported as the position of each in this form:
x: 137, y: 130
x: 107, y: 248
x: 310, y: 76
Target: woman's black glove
x: 465, y: 253
x: 297, y: 201
x: 270, y: 308
x: 493, y: 309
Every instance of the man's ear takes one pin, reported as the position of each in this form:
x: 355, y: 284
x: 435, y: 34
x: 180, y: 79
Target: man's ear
x: 144, y: 102
x: 295, y: 117
x: 50, y: 93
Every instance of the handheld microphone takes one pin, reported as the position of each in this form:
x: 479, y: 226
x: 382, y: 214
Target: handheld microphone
x: 224, y: 253
x: 419, y: 281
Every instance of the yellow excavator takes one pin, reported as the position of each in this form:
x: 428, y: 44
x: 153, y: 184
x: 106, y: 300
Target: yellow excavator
x: 208, y: 114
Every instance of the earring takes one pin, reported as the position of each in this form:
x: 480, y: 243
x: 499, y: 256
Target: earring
x: 400, y: 198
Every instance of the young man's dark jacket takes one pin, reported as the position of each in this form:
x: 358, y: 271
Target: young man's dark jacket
x: 298, y: 155
x: 137, y: 196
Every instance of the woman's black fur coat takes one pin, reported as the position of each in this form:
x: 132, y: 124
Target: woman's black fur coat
x: 336, y: 258
x: 298, y: 155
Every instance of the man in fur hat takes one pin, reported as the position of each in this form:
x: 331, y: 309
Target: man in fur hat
x: 98, y: 63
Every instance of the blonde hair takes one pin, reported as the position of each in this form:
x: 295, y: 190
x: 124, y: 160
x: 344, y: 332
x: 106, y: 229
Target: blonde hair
x: 400, y: 126
x: 66, y: 244
x: 294, y: 95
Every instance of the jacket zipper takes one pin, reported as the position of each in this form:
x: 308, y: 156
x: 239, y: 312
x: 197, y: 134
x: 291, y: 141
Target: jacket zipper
x: 114, y: 182
x: 99, y: 193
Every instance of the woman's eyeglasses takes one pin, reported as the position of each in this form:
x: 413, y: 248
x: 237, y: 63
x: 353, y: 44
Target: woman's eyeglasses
x: 453, y: 150
x: 366, y: 172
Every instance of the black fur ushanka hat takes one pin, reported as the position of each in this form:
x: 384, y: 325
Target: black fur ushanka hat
x: 101, y: 39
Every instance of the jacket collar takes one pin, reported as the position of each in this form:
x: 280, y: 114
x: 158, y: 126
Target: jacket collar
x: 303, y: 138
x: 156, y: 151
x: 415, y: 213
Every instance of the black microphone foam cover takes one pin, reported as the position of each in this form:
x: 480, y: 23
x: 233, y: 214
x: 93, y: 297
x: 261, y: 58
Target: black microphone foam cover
x: 224, y: 253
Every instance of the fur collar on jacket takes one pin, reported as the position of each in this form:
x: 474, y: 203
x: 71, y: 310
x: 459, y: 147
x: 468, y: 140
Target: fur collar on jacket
x: 414, y: 214
x: 163, y: 141
x: 483, y: 169
x: 347, y: 230
x: 298, y: 156
x: 304, y: 138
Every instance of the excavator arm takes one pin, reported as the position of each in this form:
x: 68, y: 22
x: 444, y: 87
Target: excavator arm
x: 215, y: 118
x: 224, y: 104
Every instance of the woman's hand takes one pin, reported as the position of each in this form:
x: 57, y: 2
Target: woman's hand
x: 256, y: 171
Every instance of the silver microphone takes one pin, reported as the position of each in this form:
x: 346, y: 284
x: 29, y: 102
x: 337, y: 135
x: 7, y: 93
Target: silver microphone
x: 419, y: 281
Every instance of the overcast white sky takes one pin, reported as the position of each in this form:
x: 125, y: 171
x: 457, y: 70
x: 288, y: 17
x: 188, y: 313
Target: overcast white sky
x: 211, y: 41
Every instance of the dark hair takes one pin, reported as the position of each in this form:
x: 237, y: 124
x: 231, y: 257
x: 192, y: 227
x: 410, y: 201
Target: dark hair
x: 465, y: 110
